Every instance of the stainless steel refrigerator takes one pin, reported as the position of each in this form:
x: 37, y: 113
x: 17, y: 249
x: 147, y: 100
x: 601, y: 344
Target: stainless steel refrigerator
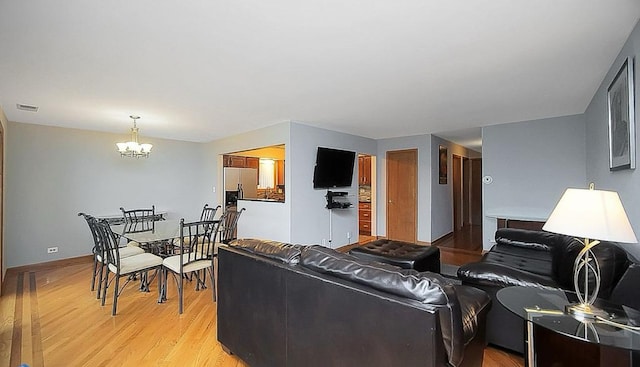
x: 242, y: 180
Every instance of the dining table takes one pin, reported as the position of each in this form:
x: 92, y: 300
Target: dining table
x: 157, y: 237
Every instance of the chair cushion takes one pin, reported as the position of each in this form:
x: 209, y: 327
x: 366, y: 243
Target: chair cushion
x: 130, y: 251
x: 173, y: 263
x: 136, y: 263
x: 532, y: 261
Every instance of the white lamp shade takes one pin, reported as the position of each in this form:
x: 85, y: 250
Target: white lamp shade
x: 592, y: 214
x: 122, y: 147
x: 146, y: 148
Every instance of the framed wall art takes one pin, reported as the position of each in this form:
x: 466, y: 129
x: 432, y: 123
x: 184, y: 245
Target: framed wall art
x: 620, y: 99
x: 442, y: 164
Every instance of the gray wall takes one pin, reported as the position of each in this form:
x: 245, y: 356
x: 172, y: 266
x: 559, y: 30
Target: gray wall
x: 303, y: 217
x: 626, y: 182
x: 311, y: 222
x: 531, y: 163
x: 54, y: 173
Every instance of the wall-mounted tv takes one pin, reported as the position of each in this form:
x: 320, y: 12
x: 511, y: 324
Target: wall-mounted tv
x: 334, y: 168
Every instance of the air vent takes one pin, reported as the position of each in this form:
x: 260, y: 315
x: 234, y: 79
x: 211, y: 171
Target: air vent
x: 26, y: 107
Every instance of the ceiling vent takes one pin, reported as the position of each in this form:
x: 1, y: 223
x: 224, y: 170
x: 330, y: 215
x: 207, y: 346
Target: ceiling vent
x: 26, y: 107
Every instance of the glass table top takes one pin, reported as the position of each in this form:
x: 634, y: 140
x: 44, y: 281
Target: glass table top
x: 546, y: 308
x: 148, y: 231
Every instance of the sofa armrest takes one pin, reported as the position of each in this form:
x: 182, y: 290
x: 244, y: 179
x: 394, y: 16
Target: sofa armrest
x: 496, y: 275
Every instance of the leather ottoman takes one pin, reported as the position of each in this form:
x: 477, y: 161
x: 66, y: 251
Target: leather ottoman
x: 403, y: 254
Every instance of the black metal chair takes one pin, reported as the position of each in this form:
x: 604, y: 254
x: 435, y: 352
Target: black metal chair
x: 98, y: 252
x: 228, y: 225
x: 137, y: 215
x: 208, y: 213
x: 196, y: 255
x: 124, y: 266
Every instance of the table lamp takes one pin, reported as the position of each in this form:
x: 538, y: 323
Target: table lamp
x: 591, y: 216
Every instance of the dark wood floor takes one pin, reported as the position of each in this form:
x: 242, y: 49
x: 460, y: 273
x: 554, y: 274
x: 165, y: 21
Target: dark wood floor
x: 467, y: 238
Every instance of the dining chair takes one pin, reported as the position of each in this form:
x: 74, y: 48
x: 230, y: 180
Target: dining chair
x: 98, y: 252
x: 137, y: 215
x: 195, y: 256
x: 228, y: 225
x: 124, y: 266
x: 208, y: 213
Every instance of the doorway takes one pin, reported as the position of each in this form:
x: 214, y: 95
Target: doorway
x: 466, y: 177
x: 402, y: 195
x: 366, y: 198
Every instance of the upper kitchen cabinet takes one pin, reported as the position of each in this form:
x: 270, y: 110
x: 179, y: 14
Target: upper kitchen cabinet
x: 280, y: 172
x: 238, y: 161
x: 364, y: 170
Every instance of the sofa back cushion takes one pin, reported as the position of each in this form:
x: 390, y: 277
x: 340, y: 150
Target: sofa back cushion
x: 612, y: 260
x: 384, y: 278
x: 536, y: 240
x: 284, y: 252
x: 426, y: 287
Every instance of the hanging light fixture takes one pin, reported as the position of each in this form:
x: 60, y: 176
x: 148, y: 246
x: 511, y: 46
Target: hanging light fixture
x: 132, y: 148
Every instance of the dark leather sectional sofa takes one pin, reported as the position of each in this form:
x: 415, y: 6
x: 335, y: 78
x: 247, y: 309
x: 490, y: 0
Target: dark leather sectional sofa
x: 544, y: 260
x: 288, y: 305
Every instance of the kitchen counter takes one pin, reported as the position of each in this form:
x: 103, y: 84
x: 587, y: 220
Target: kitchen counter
x: 265, y: 200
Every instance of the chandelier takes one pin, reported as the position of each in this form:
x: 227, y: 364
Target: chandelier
x: 132, y: 148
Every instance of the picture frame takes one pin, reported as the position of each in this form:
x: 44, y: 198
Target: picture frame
x: 621, y: 109
x: 442, y: 164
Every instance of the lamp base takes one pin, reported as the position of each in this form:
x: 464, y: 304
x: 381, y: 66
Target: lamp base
x: 585, y: 311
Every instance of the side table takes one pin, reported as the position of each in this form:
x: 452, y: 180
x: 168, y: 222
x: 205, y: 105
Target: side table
x: 556, y: 338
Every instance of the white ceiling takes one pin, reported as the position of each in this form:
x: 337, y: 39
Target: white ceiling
x: 200, y: 70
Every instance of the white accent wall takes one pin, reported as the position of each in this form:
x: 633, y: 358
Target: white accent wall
x: 625, y: 182
x: 54, y: 173
x: 531, y: 164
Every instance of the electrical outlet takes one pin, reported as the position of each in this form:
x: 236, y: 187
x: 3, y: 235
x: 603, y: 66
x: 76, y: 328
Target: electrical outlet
x: 52, y: 250
x: 348, y: 235
x: 214, y: 189
x: 324, y: 242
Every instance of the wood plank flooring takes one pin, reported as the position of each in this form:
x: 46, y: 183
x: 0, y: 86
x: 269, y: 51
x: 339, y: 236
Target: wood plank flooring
x: 50, y: 317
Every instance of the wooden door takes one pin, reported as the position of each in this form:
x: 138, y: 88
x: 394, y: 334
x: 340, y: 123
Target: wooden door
x: 1, y: 206
x: 476, y: 191
x: 402, y: 195
x: 466, y: 191
x: 456, y: 177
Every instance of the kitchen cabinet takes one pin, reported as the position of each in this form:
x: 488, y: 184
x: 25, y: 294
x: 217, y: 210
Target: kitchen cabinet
x: 252, y: 162
x: 234, y: 161
x: 364, y: 218
x: 280, y: 172
x: 364, y: 170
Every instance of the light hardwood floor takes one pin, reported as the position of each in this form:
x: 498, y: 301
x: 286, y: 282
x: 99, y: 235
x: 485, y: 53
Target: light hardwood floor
x: 50, y: 317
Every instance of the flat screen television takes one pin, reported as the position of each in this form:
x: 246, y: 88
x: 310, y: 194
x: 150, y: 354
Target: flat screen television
x: 334, y: 168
